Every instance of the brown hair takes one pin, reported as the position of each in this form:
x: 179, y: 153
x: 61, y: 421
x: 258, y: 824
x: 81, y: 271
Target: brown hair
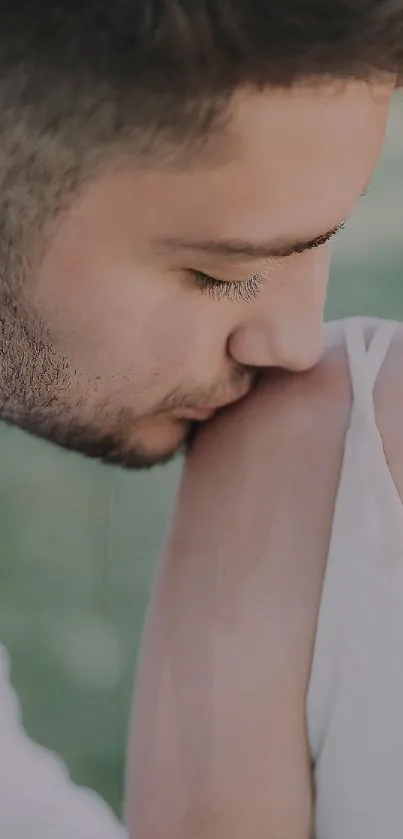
x: 166, y: 66
x: 78, y: 77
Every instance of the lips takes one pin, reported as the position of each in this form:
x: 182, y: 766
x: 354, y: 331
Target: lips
x: 199, y: 414
x: 205, y: 412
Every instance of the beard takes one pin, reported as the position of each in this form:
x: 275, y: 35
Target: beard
x: 37, y: 395
x: 109, y: 447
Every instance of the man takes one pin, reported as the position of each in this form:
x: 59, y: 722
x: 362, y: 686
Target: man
x: 172, y: 174
x: 171, y: 177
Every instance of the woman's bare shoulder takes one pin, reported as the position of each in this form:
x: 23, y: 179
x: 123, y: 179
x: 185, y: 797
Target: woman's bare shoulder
x: 287, y: 408
x: 285, y: 411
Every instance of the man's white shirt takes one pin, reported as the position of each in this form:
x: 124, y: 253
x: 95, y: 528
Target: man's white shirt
x: 38, y: 800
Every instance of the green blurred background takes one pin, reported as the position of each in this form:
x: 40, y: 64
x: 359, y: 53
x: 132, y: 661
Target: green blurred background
x: 79, y: 541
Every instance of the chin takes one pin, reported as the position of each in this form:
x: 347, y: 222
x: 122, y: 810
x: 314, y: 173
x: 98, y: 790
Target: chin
x: 148, y: 442
x: 158, y: 442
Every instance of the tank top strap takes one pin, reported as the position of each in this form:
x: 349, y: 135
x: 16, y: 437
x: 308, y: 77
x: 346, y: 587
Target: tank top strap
x: 364, y: 436
x: 365, y: 363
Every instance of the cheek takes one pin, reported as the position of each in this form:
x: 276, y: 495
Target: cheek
x: 319, y: 273
x: 304, y: 281
x: 150, y: 341
x: 116, y: 320
x: 315, y: 277
x: 174, y: 335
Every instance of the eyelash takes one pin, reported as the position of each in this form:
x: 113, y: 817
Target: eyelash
x: 219, y: 289
x: 241, y: 291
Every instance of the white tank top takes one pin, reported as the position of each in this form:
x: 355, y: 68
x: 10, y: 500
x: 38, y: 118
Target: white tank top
x: 355, y: 696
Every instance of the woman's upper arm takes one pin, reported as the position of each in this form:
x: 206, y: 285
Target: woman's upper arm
x: 219, y: 747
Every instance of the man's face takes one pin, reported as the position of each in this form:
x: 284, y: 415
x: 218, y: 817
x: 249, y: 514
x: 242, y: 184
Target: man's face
x: 139, y: 347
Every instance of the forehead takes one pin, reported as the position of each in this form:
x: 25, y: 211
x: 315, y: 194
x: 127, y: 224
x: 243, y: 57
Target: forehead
x: 288, y: 163
x: 296, y: 152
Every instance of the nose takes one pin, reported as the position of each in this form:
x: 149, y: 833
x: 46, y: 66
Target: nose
x: 284, y: 326
x: 297, y: 347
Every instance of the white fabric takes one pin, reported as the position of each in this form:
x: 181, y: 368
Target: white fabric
x: 355, y: 697
x: 37, y: 798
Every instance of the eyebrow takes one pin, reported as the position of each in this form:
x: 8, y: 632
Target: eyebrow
x: 240, y: 248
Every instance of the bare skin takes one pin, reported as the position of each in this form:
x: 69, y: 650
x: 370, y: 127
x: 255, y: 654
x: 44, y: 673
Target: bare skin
x: 116, y: 345
x: 219, y: 747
